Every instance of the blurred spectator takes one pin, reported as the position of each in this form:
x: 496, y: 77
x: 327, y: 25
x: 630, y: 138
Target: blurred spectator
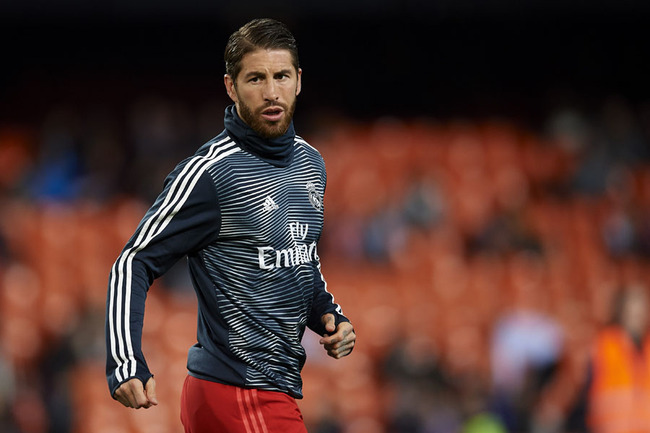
x: 384, y: 233
x: 642, y: 237
x: 526, y: 346
x: 159, y: 132
x: 58, y: 169
x: 424, y: 205
x: 618, y: 227
x: 617, y: 139
x: 15, y: 159
x: 569, y: 129
x: 474, y: 403
x: 55, y: 369
x: 7, y: 395
x: 103, y: 156
x: 621, y: 133
x: 618, y: 385
x: 413, y: 361
x: 424, y: 396
x: 505, y: 233
x: 593, y: 167
x: 618, y: 233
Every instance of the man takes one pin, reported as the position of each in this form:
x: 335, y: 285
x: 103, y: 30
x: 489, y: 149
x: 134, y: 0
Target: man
x: 618, y: 387
x: 247, y: 211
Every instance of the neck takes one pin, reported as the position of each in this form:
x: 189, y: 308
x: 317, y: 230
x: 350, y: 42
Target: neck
x: 276, y: 151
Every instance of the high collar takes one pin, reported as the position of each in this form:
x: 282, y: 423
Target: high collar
x: 275, y: 151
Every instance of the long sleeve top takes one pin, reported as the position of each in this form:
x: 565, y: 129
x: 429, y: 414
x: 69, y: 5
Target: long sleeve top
x: 248, y: 214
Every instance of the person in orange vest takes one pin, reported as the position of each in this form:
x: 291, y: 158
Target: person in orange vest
x: 618, y: 394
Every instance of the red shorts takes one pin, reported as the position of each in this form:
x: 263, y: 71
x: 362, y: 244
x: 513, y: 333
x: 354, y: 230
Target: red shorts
x: 210, y: 407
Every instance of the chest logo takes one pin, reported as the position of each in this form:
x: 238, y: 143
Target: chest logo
x: 314, y: 196
x: 269, y: 204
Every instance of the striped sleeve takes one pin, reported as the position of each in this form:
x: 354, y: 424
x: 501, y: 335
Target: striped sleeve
x: 184, y: 218
x: 323, y: 303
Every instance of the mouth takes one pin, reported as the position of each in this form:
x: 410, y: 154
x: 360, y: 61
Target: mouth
x: 273, y: 114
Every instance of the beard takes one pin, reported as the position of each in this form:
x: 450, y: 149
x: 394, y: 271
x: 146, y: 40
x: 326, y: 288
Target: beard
x: 261, y: 126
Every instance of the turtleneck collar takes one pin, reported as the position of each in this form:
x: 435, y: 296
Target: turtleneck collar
x: 275, y: 151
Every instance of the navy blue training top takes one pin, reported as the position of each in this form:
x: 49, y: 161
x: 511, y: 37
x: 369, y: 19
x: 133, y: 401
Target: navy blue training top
x: 248, y: 213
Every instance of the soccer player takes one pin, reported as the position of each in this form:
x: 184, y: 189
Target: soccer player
x: 247, y: 210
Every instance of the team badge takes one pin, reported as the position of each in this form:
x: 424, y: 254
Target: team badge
x: 314, y: 196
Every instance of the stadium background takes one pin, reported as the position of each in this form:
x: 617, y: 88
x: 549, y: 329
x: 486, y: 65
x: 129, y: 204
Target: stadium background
x: 489, y: 190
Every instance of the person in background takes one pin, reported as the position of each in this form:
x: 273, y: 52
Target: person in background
x: 618, y: 389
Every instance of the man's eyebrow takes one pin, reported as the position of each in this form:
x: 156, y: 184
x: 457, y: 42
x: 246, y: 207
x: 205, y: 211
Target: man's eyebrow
x: 260, y: 74
x: 253, y: 74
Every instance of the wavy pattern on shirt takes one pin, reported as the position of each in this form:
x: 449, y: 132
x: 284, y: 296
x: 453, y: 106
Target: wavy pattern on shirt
x: 266, y: 309
x: 249, y: 230
x: 119, y: 318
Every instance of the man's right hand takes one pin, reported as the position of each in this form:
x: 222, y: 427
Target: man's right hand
x: 132, y: 394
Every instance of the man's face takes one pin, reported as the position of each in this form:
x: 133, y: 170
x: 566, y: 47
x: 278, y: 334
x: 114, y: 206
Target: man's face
x: 265, y: 91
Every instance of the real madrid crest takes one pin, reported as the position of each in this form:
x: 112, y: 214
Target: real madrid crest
x: 314, y: 196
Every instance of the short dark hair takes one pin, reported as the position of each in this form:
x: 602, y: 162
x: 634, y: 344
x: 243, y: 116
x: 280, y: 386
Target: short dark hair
x: 263, y: 33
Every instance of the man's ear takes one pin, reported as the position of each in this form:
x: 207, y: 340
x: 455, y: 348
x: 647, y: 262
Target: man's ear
x: 230, y: 87
x: 299, y: 84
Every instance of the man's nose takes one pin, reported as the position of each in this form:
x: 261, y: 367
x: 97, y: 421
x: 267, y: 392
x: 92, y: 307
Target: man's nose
x: 270, y: 91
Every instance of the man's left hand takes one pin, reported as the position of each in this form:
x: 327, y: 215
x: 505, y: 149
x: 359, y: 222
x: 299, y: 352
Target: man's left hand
x: 340, y: 343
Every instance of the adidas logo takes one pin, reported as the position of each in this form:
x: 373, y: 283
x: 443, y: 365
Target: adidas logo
x: 269, y: 204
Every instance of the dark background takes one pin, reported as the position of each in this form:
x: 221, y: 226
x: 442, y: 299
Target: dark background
x: 361, y: 59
